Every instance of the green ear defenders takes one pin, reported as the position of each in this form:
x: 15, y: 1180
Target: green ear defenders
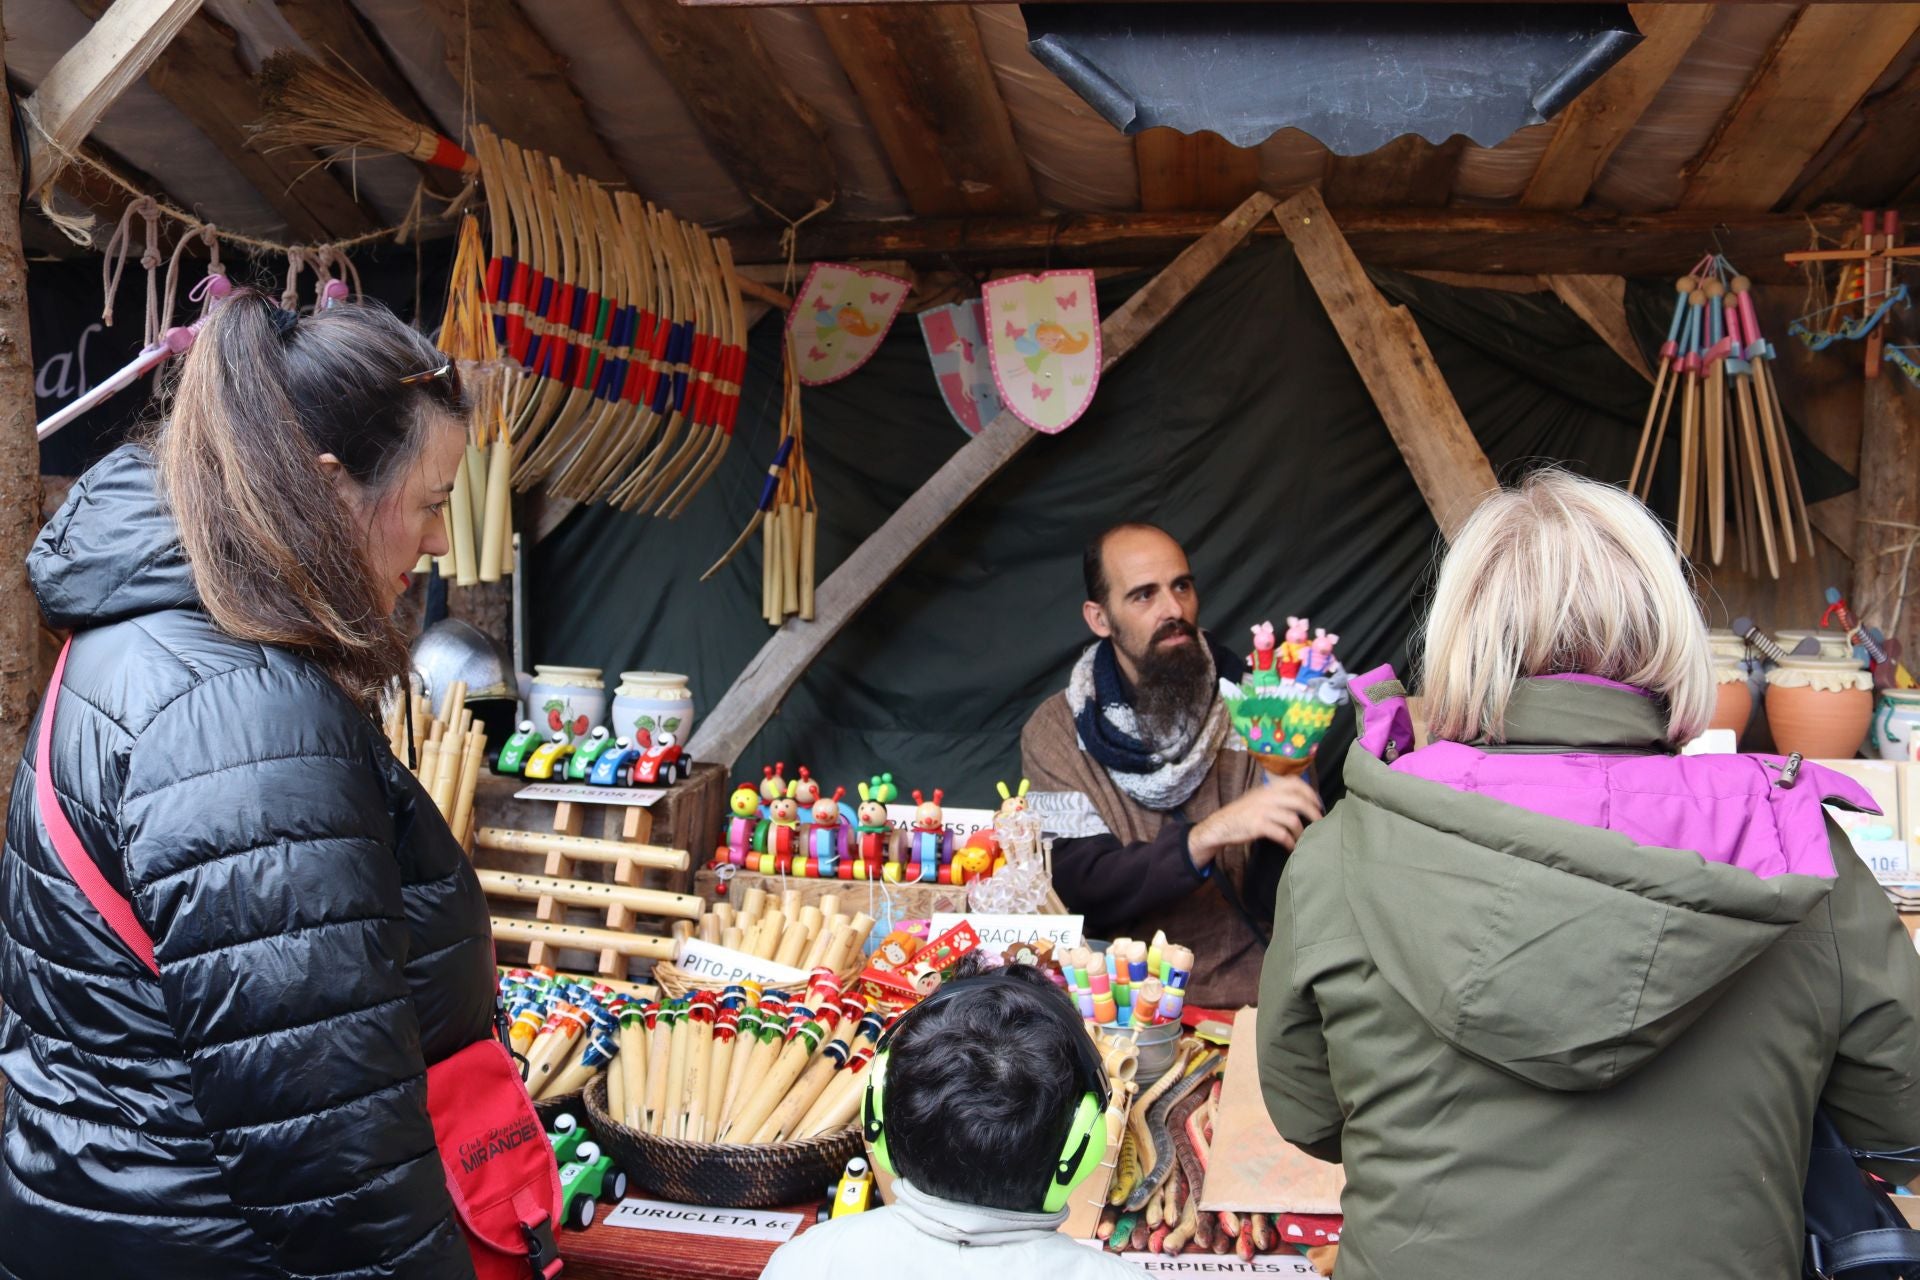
x: 1086, y: 1144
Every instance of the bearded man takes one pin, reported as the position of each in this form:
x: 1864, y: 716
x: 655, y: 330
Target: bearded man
x: 1157, y: 823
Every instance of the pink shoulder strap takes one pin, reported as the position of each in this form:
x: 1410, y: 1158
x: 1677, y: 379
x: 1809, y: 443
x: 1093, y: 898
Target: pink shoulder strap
x: 116, y: 910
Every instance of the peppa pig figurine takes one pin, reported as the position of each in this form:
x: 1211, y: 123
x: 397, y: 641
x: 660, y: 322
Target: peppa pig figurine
x: 826, y: 839
x: 1294, y: 652
x: 1319, y: 661
x: 929, y: 843
x: 783, y: 843
x: 1262, y: 659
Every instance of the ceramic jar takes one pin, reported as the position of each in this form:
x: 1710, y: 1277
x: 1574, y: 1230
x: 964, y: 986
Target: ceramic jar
x: 656, y: 701
x: 1819, y: 707
x: 567, y: 698
x: 1732, y: 699
x: 1896, y: 715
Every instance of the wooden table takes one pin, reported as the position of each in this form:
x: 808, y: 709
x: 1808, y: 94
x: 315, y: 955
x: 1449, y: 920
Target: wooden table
x: 622, y: 1253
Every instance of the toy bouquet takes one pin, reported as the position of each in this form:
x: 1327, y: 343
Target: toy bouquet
x: 1287, y: 701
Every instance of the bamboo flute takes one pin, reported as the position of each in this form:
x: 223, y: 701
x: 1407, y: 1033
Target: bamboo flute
x: 633, y: 1064
x: 666, y: 1121
x: 691, y: 1113
x: 659, y: 1048
x: 726, y: 1029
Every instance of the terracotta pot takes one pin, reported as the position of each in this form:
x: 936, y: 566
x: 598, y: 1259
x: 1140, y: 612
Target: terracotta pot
x: 1818, y: 723
x: 1732, y: 706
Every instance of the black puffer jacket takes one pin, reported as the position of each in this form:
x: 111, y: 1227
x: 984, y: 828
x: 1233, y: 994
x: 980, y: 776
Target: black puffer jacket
x: 259, y: 1109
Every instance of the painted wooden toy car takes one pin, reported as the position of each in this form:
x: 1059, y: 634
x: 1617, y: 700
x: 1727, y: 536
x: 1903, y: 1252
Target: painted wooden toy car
x: 611, y: 769
x: 587, y: 1177
x: 662, y: 764
x: 549, y: 757
x: 512, y: 759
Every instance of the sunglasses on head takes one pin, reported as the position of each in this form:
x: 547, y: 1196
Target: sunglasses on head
x: 448, y: 373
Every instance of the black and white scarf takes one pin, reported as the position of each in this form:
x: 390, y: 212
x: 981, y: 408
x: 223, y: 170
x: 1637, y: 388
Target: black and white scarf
x: 1157, y: 776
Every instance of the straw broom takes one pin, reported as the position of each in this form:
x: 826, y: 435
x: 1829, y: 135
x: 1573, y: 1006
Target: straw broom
x: 316, y: 105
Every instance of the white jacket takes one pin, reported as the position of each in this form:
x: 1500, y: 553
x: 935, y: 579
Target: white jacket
x: 919, y: 1235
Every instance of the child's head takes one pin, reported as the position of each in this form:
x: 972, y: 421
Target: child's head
x: 982, y: 1086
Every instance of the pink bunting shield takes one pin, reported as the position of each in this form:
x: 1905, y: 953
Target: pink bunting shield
x: 839, y: 319
x: 956, y: 345
x: 1043, y: 336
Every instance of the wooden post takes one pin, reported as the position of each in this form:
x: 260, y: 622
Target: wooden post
x: 1386, y: 346
x: 19, y: 460
x: 726, y: 730
x: 1889, y: 499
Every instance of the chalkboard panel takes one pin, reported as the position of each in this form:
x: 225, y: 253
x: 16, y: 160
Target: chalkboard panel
x: 1353, y: 76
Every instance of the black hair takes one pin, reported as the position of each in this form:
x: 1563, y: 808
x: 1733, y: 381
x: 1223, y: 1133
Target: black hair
x: 981, y: 1092
x: 1093, y: 562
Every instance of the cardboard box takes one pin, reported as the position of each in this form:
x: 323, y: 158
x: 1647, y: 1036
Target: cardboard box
x: 1882, y: 842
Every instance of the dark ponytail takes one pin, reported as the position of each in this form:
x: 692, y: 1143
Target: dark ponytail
x: 276, y: 552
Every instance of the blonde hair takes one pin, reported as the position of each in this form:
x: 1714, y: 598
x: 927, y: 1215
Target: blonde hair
x: 1562, y: 575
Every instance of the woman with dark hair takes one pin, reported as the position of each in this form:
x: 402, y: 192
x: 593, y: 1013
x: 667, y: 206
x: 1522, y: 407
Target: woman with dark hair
x: 257, y: 1107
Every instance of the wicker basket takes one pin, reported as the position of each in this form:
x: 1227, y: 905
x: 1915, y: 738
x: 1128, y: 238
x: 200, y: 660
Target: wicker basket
x: 675, y: 982
x: 551, y: 1109
x: 724, y: 1174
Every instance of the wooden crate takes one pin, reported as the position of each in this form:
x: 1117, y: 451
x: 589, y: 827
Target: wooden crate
x: 584, y: 891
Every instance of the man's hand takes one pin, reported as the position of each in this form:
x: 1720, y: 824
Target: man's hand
x: 1277, y: 810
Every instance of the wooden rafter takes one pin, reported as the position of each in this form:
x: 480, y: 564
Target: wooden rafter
x: 520, y: 83
x: 768, y: 139
x: 1594, y: 125
x: 334, y: 29
x: 928, y: 90
x: 201, y: 74
x: 1182, y: 171
x: 726, y: 730
x: 1392, y: 357
x: 1409, y: 171
x: 1880, y: 164
x: 1499, y: 241
x: 119, y: 48
x: 1816, y: 74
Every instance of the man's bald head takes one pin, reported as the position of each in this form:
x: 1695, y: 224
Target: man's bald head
x: 1141, y: 594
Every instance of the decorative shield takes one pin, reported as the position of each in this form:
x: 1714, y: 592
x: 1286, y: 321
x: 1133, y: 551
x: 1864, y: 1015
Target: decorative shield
x: 956, y: 345
x: 1043, y: 335
x: 839, y: 318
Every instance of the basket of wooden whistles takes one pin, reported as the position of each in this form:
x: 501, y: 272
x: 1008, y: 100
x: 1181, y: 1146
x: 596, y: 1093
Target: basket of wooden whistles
x: 741, y: 1098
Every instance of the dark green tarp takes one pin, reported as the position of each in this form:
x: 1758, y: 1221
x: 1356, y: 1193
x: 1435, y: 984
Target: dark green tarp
x: 1240, y: 426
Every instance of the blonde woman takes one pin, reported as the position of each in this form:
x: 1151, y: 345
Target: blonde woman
x: 1562, y: 1000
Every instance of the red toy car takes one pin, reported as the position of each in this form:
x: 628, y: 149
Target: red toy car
x: 662, y: 764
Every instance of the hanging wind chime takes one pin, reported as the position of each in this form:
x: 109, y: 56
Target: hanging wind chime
x: 1736, y: 470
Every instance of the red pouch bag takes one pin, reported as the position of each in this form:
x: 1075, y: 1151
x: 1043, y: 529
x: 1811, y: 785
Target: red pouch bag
x: 500, y: 1168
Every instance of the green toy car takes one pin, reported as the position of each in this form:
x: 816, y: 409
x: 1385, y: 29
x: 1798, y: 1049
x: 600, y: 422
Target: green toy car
x: 513, y: 756
x: 587, y: 1177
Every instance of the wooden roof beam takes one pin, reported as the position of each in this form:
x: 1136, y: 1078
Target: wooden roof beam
x: 1181, y: 171
x: 766, y: 137
x: 1500, y: 241
x: 1818, y: 71
x: 80, y: 87
x: 520, y: 84
x: 928, y: 90
x: 202, y: 75
x: 1880, y: 164
x: 1406, y: 171
x: 1594, y: 124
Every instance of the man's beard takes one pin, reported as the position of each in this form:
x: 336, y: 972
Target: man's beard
x: 1175, y: 690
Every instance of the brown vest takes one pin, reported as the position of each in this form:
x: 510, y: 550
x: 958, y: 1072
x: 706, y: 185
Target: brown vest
x: 1227, y: 952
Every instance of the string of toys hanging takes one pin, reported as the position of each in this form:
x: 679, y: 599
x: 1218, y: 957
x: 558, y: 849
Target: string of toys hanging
x: 1737, y: 475
x: 1864, y: 298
